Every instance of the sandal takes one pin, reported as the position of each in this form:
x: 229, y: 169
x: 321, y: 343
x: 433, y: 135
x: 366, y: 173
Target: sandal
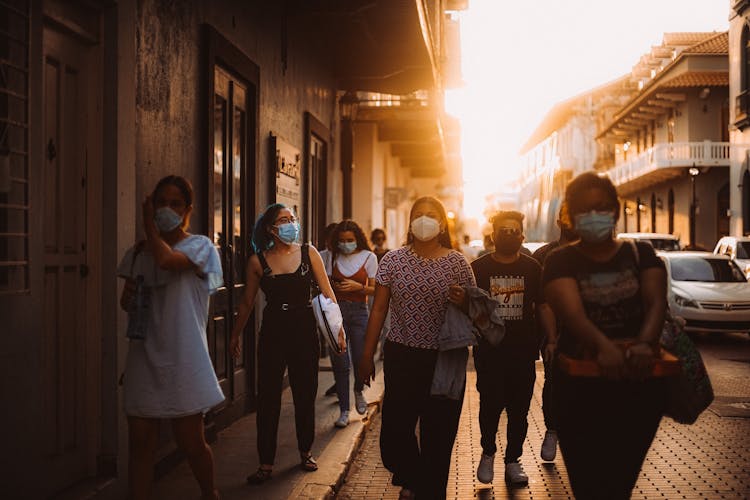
x: 308, y: 463
x: 261, y: 476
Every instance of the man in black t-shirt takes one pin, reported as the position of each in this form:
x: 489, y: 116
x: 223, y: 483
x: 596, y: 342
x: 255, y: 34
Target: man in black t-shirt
x: 506, y: 373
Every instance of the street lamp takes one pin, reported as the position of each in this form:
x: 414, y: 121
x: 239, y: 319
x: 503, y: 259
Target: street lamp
x: 693, y: 174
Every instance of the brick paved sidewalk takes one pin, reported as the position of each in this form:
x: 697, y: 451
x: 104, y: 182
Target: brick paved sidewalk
x: 710, y: 459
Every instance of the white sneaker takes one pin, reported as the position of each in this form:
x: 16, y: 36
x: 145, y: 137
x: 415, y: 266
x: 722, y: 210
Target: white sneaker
x: 486, y: 469
x: 360, y: 402
x: 549, y: 446
x: 343, y: 420
x: 514, y: 474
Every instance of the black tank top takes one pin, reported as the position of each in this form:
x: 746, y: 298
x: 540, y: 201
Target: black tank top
x: 290, y: 290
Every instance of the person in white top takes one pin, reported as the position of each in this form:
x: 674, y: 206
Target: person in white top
x: 353, y: 269
x: 168, y: 374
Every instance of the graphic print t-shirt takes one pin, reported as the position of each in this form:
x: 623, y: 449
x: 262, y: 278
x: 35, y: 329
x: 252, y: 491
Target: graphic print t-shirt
x: 517, y: 288
x: 610, y: 291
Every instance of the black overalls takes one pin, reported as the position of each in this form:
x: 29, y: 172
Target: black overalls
x: 288, y: 339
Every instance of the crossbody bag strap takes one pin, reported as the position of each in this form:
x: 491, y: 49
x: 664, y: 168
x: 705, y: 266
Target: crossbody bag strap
x: 266, y: 269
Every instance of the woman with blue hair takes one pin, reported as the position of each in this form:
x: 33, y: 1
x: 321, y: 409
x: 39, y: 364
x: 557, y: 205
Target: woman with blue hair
x: 284, y: 270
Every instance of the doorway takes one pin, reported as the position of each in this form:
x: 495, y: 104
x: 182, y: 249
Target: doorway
x: 69, y: 233
x: 316, y: 180
x: 232, y: 154
x: 722, y: 212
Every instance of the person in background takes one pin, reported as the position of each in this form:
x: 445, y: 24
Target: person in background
x: 288, y: 339
x: 416, y: 282
x: 610, y: 303
x: 549, y: 342
x: 353, y: 271
x: 168, y: 371
x: 487, y: 244
x: 506, y: 373
x: 379, y: 248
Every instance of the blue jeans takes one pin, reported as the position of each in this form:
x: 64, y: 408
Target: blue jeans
x: 355, y: 317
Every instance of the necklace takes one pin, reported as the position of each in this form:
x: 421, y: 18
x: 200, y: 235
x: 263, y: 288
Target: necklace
x: 292, y: 250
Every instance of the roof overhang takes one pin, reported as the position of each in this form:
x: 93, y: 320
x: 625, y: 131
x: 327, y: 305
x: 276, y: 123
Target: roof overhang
x: 421, y: 137
x: 372, y: 46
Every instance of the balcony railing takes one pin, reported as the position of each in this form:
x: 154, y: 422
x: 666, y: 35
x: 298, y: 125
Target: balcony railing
x: 671, y: 155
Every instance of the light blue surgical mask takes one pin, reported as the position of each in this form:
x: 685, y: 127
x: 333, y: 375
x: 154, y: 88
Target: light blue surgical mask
x: 595, y: 226
x: 288, y: 232
x: 167, y: 219
x: 347, y: 247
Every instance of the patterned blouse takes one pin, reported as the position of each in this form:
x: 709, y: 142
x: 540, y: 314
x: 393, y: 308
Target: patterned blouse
x: 419, y: 293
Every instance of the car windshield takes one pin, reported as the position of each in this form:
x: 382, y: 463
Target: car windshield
x: 743, y: 249
x: 705, y: 269
x: 664, y: 244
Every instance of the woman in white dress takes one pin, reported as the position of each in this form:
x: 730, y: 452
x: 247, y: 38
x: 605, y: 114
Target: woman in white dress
x: 168, y: 280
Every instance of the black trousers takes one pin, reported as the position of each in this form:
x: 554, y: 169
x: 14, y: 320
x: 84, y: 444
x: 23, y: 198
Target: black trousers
x: 605, y: 430
x: 548, y: 405
x: 504, y: 383
x: 288, y: 339
x: 421, y: 466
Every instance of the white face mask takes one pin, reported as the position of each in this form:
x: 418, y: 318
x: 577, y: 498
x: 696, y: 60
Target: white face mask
x: 425, y: 228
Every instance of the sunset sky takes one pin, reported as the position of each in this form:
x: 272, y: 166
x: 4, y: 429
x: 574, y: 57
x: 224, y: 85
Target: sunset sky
x: 521, y: 57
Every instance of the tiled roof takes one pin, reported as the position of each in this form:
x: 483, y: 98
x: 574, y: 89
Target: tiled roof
x: 698, y: 79
x: 718, y: 44
x: 686, y: 38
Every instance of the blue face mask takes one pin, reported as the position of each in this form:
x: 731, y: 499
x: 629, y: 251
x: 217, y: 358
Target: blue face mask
x: 167, y: 219
x: 347, y: 247
x: 288, y: 232
x: 595, y: 227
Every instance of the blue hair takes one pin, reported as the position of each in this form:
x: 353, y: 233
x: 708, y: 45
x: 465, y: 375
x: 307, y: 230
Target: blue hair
x: 262, y: 240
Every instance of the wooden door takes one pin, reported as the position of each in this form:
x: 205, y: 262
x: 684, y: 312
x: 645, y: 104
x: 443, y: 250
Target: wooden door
x: 231, y: 198
x: 66, y: 356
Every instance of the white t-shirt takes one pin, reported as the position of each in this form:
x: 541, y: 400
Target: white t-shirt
x: 350, y: 264
x: 169, y: 373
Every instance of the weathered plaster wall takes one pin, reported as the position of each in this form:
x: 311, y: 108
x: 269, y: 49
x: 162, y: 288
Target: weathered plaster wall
x: 169, y: 79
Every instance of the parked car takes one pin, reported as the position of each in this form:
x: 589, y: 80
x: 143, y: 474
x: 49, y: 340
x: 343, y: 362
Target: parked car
x: 660, y: 241
x: 709, y: 291
x: 737, y: 248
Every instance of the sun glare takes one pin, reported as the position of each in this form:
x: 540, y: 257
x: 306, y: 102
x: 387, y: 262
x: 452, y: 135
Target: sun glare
x: 520, y: 58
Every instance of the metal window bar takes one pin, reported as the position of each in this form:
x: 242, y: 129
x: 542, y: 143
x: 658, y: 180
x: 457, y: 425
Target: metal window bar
x: 14, y: 229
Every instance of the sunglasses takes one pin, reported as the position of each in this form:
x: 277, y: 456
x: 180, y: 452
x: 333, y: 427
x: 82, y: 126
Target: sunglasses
x: 508, y: 231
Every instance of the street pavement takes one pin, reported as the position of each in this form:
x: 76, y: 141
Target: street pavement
x: 236, y: 456
x: 710, y: 459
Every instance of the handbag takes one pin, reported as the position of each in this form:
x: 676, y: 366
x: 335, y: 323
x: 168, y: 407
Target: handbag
x: 329, y: 320
x: 140, y: 304
x: 690, y: 391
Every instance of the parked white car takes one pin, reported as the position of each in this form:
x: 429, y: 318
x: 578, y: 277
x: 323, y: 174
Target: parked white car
x: 737, y: 248
x: 660, y: 241
x: 709, y: 291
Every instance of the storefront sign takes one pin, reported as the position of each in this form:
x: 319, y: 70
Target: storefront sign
x: 286, y: 171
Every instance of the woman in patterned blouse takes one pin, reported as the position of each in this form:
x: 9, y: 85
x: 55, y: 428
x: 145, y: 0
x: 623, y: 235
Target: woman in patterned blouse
x: 416, y: 281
